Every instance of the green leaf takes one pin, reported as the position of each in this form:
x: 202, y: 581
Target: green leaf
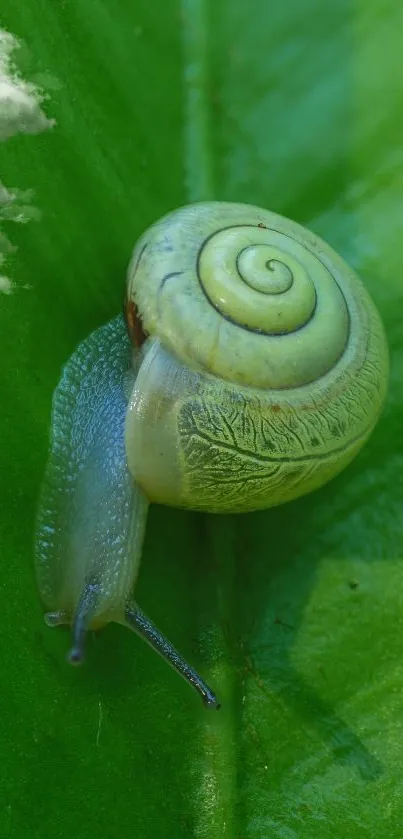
x: 293, y: 614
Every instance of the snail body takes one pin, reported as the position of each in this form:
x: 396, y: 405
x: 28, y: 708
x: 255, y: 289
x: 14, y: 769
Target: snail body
x: 257, y: 369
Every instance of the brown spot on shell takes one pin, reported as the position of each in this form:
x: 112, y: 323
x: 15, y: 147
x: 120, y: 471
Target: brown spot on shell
x: 262, y: 225
x: 134, y: 324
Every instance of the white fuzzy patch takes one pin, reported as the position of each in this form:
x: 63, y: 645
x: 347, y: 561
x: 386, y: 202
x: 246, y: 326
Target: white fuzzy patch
x: 6, y: 285
x: 15, y: 205
x: 20, y: 101
x: 20, y: 112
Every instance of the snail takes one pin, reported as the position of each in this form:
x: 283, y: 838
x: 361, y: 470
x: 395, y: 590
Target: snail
x: 251, y: 369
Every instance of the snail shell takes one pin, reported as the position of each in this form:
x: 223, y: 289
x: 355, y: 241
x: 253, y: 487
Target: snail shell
x: 266, y: 365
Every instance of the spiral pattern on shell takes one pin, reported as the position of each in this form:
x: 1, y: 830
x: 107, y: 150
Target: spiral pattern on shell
x: 244, y: 294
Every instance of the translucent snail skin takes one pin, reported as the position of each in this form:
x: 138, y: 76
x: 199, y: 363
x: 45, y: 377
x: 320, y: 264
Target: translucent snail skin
x: 252, y: 368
